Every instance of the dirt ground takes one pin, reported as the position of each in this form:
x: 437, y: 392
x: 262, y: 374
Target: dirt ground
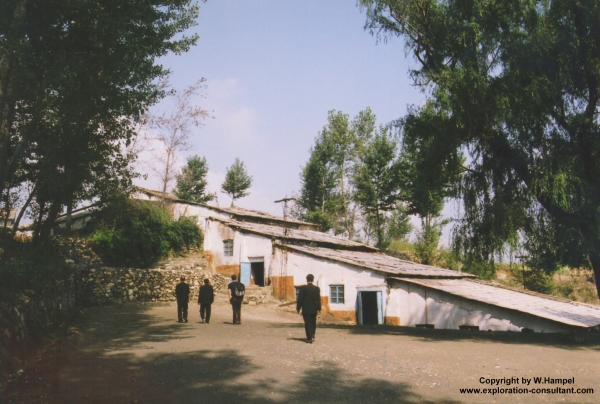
x: 138, y: 353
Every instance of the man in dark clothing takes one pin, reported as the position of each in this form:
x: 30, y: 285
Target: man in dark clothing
x: 182, y: 291
x: 309, y: 300
x: 206, y: 297
x: 236, y: 297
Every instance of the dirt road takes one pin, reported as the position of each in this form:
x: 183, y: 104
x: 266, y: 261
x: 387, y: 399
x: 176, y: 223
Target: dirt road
x: 138, y: 353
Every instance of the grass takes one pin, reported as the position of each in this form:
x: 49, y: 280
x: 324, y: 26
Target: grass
x: 572, y: 283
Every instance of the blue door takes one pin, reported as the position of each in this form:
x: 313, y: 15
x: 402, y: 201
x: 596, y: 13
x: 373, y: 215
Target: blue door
x: 245, y: 268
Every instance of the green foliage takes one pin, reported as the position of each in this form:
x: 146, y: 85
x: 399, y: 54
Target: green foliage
x: 237, y: 181
x: 183, y: 234
x: 138, y: 233
x: 318, y: 198
x: 76, y: 76
x: 516, y: 85
x: 377, y: 186
x: 328, y: 177
x: 191, y: 182
x: 539, y: 281
x: 25, y: 266
x: 428, y: 239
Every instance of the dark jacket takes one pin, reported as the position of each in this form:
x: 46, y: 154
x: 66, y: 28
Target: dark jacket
x: 309, y: 299
x: 182, y: 291
x: 206, y: 295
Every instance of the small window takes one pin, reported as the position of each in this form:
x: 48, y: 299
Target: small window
x: 337, y: 293
x: 228, y: 248
x: 297, y: 288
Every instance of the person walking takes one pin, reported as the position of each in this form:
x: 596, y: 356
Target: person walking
x: 309, y: 301
x: 236, y: 291
x: 182, y: 292
x: 206, y: 297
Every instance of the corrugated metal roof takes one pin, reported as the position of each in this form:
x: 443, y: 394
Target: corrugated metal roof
x: 257, y: 214
x: 305, y: 236
x: 234, y: 211
x: 560, y: 310
x: 379, y: 262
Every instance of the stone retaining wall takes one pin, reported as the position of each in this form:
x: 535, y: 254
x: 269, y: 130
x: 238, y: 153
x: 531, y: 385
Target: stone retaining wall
x: 31, y: 314
x: 107, y: 285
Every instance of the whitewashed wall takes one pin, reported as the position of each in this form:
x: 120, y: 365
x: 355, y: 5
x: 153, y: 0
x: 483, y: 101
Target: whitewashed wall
x: 328, y: 273
x: 200, y: 212
x: 245, y: 245
x: 416, y: 304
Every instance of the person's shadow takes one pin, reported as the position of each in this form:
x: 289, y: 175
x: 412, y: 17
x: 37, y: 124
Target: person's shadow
x: 298, y: 339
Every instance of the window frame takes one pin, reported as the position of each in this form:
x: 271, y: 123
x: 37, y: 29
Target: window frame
x: 336, y: 295
x: 228, y: 248
x: 296, y: 291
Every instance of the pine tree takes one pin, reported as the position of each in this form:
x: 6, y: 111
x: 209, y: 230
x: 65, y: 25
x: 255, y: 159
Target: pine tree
x: 191, y: 182
x: 237, y: 181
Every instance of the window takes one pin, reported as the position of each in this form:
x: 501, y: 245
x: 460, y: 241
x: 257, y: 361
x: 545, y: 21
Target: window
x: 228, y: 248
x: 297, y: 291
x: 337, y: 293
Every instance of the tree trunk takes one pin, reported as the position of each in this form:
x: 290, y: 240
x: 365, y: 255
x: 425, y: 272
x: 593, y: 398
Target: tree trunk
x: 68, y: 221
x: 48, y: 224
x: 7, y: 207
x: 378, y: 229
x: 38, y: 224
x: 595, y: 260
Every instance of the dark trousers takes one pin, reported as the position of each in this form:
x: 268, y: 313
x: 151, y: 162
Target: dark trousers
x: 236, y: 305
x: 205, y: 311
x: 310, y: 324
x: 182, y: 310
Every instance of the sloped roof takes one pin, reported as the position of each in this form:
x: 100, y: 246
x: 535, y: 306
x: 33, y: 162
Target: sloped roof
x: 235, y: 211
x: 298, y: 235
x: 379, y: 262
x: 157, y: 194
x: 556, y: 309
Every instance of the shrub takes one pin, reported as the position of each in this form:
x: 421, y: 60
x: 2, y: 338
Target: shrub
x: 539, y: 281
x: 184, y: 233
x: 25, y: 266
x: 140, y: 233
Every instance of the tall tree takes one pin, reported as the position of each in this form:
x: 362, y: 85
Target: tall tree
x: 517, y: 85
x: 318, y: 200
x: 174, y: 131
x: 327, y: 195
x: 191, y: 182
x: 237, y: 181
x: 74, y: 75
x: 377, y: 183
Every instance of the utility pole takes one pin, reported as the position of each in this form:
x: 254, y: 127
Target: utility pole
x: 285, y: 206
x: 523, y: 258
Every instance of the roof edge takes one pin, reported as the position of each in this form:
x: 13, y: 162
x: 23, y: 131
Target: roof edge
x: 506, y: 308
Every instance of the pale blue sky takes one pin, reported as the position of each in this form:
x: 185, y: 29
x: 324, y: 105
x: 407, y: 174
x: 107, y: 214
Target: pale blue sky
x: 274, y: 68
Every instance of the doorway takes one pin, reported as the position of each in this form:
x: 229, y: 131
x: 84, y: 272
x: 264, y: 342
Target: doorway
x: 369, y: 308
x: 258, y: 273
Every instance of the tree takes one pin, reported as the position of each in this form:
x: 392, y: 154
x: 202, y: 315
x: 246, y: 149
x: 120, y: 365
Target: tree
x: 74, y: 76
x: 318, y: 201
x: 515, y: 84
x: 327, y: 195
x: 237, y: 181
x: 377, y: 183
x: 191, y: 182
x: 175, y: 131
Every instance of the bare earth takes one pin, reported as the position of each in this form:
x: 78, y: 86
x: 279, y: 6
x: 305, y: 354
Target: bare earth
x: 138, y: 353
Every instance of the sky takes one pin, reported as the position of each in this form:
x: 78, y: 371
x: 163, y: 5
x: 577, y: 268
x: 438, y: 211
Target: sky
x: 273, y: 70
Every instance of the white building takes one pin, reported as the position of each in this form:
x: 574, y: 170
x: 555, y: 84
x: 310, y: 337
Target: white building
x: 361, y: 285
